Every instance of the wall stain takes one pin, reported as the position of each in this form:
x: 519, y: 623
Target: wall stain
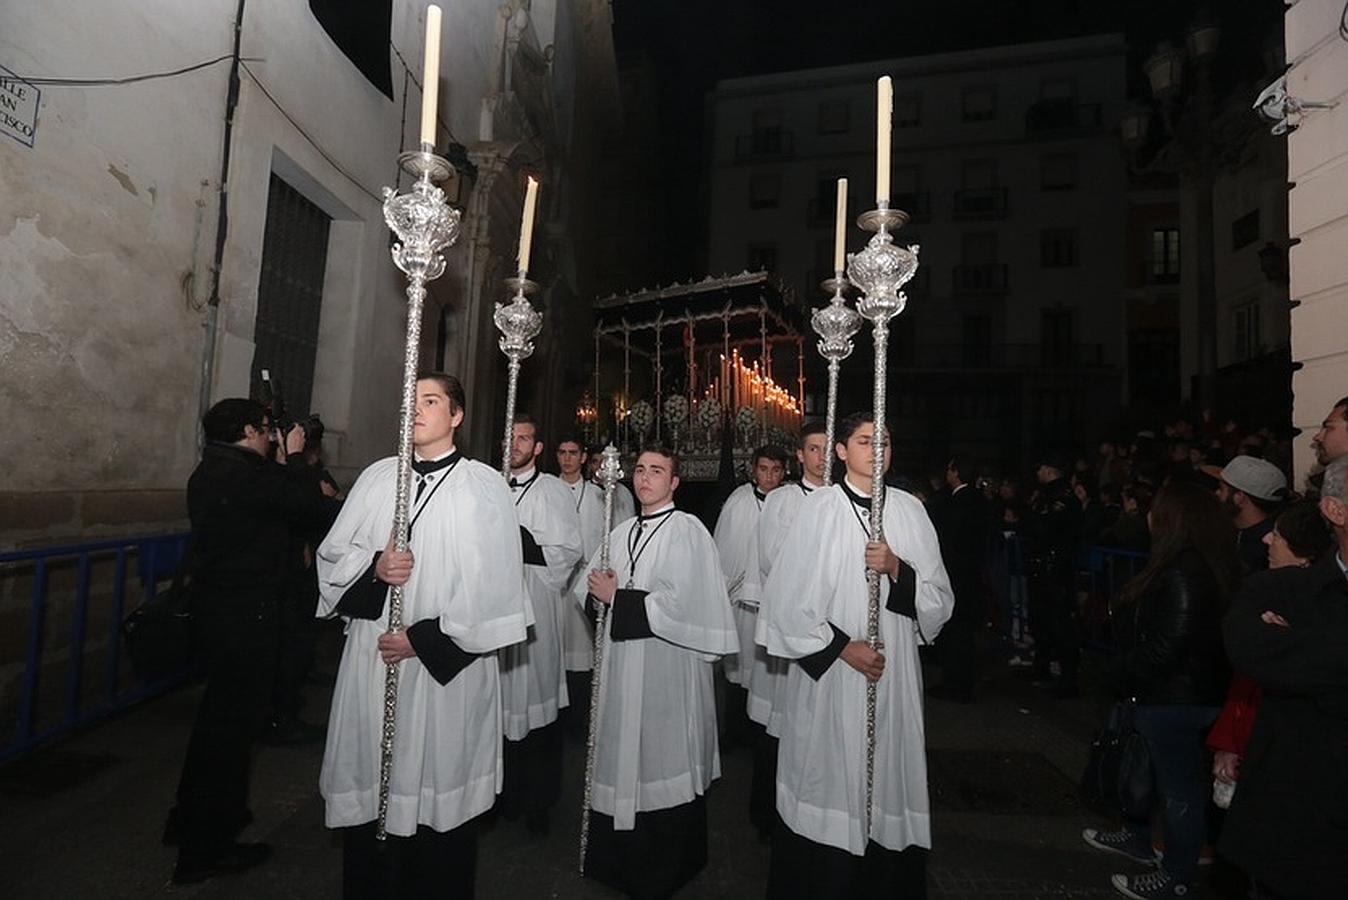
x: 123, y: 179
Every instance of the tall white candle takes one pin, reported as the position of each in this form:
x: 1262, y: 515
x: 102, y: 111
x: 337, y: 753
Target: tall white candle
x: 430, y: 76
x: 840, y: 227
x: 884, y: 109
x: 527, y: 226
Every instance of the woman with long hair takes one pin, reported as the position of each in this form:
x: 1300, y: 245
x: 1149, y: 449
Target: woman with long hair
x: 1170, y: 661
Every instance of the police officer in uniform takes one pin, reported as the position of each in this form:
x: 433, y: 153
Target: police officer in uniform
x: 1053, y: 527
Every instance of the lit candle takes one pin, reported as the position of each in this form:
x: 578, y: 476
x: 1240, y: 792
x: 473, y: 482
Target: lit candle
x: 840, y: 227
x: 527, y: 225
x: 430, y: 76
x: 884, y: 108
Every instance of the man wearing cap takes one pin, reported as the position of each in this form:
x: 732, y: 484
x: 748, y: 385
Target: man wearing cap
x: 1252, y: 490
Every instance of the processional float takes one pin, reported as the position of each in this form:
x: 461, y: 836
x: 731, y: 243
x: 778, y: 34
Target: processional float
x: 425, y: 224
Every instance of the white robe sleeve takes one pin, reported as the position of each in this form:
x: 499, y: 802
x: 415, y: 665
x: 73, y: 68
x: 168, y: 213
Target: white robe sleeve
x: 686, y: 603
x: 912, y: 537
x: 802, y: 580
x: 552, y: 519
x: 486, y: 568
x: 349, y: 547
x: 736, y: 529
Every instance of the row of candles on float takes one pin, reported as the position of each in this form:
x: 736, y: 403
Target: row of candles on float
x: 740, y: 385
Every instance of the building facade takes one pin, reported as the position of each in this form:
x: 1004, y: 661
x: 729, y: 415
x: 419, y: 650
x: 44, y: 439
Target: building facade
x: 1008, y: 162
x: 113, y: 335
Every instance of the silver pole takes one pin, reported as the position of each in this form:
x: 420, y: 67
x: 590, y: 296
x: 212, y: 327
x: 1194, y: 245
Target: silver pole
x: 835, y: 324
x: 425, y: 224
x: 519, y: 324
x: 609, y: 474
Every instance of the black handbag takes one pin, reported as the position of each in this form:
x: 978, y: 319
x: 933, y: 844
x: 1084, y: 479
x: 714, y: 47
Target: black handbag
x: 158, y: 633
x: 1118, y: 777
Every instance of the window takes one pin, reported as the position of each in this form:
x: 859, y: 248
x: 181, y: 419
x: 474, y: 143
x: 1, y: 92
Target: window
x: 1058, y: 171
x: 290, y: 295
x: 1060, y: 89
x: 979, y: 104
x: 1245, y: 230
x: 762, y: 257
x: 767, y: 119
x: 980, y: 248
x: 1058, y: 248
x: 1245, y: 332
x: 908, y: 110
x: 835, y: 117
x: 764, y: 190
x: 977, y: 340
x: 1055, y: 337
x: 1165, y: 255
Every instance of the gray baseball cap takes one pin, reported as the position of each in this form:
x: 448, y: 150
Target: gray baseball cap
x: 1257, y: 477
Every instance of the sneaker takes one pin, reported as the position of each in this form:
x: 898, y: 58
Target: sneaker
x: 1122, y: 842
x: 1020, y: 661
x: 1149, y: 886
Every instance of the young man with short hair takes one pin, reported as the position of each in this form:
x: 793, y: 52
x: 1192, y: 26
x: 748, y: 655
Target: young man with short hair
x: 817, y: 615
x: 463, y: 599
x: 533, y: 677
x: 656, y: 747
x: 577, y: 633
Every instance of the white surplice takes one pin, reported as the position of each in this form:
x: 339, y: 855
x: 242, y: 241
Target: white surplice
x: 657, y: 713
x: 818, y: 580
x: 577, y: 633
x: 768, y: 679
x: 533, y: 679
x: 736, y: 532
x: 466, y: 574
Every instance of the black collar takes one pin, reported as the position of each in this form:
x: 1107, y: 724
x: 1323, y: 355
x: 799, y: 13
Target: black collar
x: 653, y: 516
x: 759, y: 495
x: 858, y: 499
x: 427, y: 466
x: 515, y: 482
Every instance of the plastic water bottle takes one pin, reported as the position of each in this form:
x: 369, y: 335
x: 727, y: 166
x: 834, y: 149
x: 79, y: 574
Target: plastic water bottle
x: 1222, y: 792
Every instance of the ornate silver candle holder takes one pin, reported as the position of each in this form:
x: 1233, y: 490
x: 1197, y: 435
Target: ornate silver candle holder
x: 835, y: 324
x: 425, y: 225
x: 880, y: 270
x: 519, y: 323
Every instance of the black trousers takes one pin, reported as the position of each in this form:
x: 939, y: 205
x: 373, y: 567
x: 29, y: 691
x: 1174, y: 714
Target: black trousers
x: 662, y: 854
x: 430, y: 864
x: 575, y: 718
x: 532, y: 781
x: 957, y: 643
x: 1053, y: 621
x: 297, y: 633
x: 802, y: 869
x: 236, y: 636
x: 763, y: 786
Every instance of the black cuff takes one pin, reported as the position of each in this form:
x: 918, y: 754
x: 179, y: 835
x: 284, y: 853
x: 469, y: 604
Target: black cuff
x: 592, y: 610
x: 903, y: 592
x: 629, y: 616
x: 364, y: 599
x: 437, y: 651
x: 533, y: 554
x: 816, y: 664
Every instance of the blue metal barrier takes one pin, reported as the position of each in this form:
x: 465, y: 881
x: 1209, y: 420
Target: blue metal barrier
x: 157, y: 558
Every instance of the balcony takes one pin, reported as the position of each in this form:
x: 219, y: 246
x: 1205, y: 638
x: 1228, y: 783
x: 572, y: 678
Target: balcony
x: 979, y: 278
x: 1062, y: 117
x: 980, y: 203
x: 765, y: 144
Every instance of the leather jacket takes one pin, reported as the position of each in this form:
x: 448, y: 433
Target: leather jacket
x: 1169, y: 639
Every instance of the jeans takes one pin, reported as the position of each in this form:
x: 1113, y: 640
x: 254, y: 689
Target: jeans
x: 1179, y: 761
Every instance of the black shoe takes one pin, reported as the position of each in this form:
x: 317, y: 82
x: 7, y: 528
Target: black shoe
x: 173, y: 826
x: 950, y: 694
x: 286, y: 732
x: 232, y: 858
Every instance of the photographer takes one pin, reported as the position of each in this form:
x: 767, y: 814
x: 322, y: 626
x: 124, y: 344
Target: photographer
x: 243, y: 507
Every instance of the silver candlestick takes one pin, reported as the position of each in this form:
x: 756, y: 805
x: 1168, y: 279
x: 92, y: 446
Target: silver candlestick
x: 835, y: 324
x: 425, y: 224
x: 609, y: 474
x: 519, y: 323
x: 880, y: 270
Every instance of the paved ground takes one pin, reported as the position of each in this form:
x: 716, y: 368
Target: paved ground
x: 83, y: 818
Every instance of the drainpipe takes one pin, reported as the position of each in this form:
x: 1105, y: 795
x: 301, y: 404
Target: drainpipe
x: 221, y: 229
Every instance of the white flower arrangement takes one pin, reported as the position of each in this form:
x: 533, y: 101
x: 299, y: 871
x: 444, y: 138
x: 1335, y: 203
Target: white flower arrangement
x: 709, y: 413
x: 676, y: 409
x: 642, y: 417
x: 746, y: 419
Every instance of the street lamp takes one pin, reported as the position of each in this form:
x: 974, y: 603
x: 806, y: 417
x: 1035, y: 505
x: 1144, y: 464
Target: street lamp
x: 1186, y: 107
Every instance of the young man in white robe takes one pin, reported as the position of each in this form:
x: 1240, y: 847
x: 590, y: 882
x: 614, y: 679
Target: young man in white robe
x: 768, y: 676
x: 577, y: 632
x: 656, y: 751
x: 463, y: 599
x: 533, y: 677
x: 736, y: 533
x: 817, y: 615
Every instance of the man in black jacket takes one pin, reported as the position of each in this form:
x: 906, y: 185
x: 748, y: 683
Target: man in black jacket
x: 1288, y: 630
x: 243, y: 507
x: 962, y: 522
x: 1054, y: 528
